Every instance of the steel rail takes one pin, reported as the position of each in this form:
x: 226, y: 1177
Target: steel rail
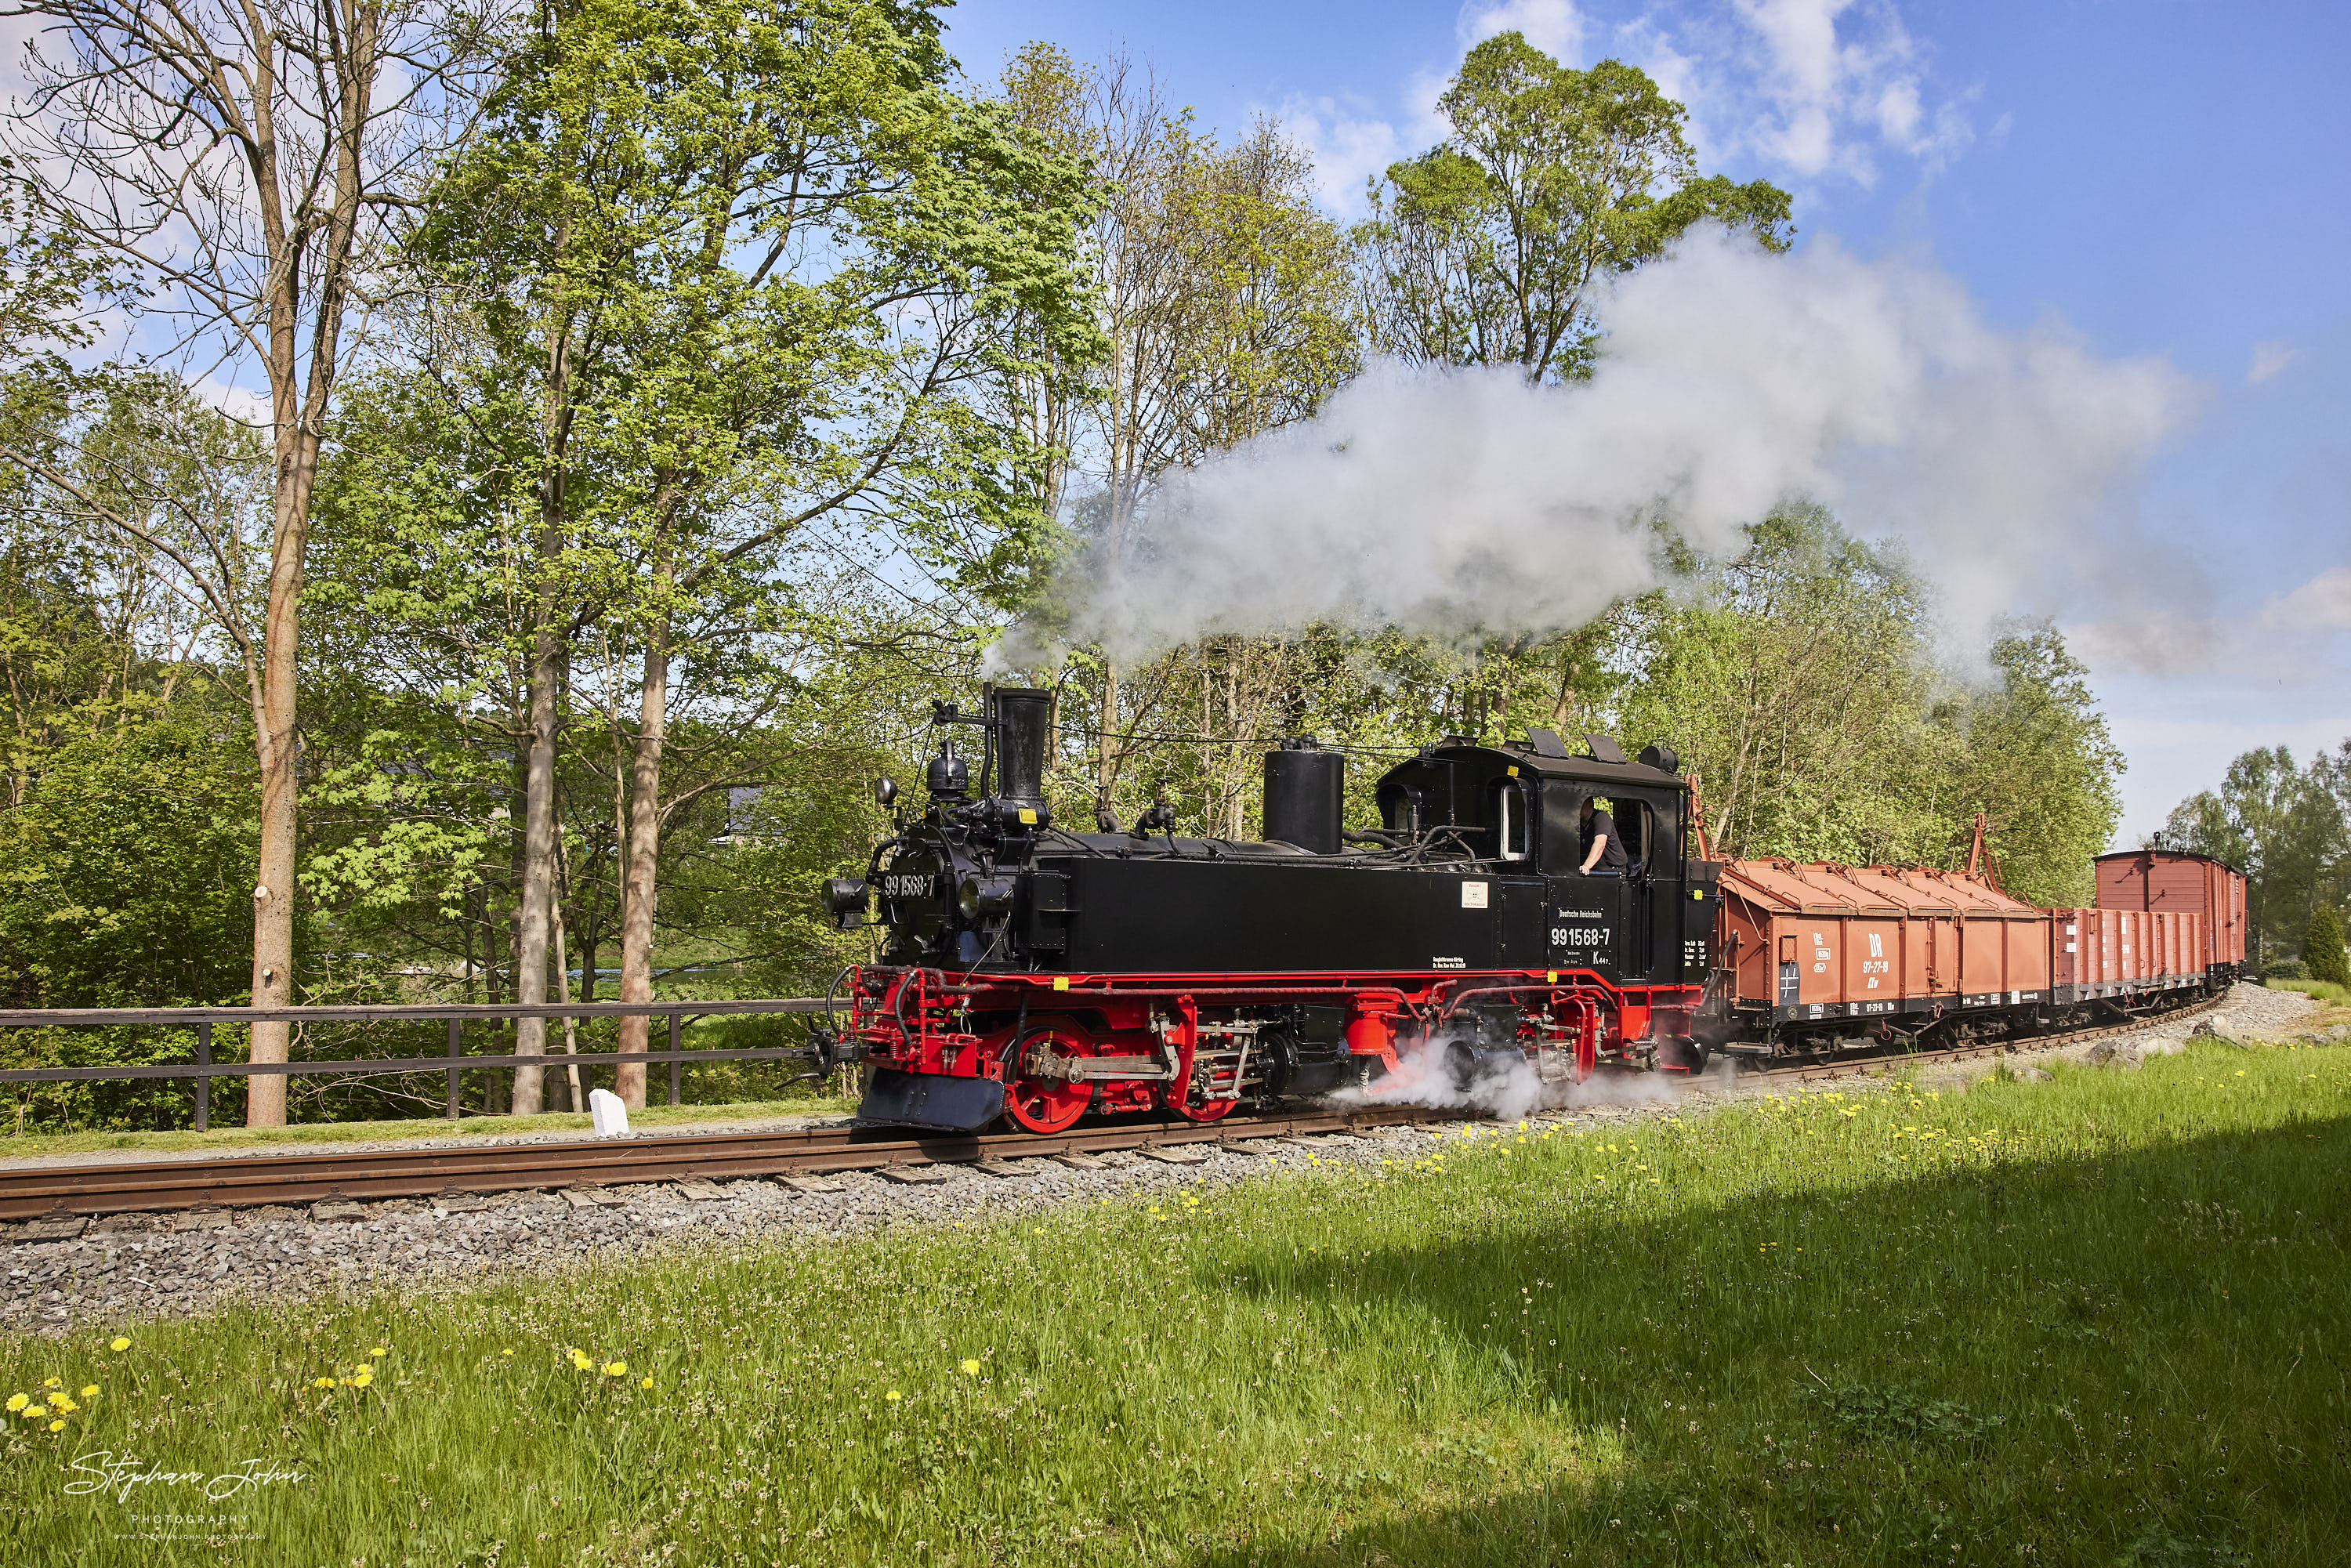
x: 61, y: 1191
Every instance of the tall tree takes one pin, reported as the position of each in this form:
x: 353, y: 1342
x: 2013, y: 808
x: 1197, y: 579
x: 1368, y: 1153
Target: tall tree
x: 1224, y: 293
x: 2285, y: 826
x: 2035, y: 756
x: 1794, y: 679
x: 245, y: 159
x: 774, y: 265
x: 1488, y: 249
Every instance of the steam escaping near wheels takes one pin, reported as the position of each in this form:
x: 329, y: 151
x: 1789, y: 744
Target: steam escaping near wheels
x: 1451, y: 1073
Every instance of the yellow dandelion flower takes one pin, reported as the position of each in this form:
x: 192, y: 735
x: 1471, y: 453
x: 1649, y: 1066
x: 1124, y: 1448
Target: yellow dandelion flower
x: 648, y: 1383
x: 892, y: 1396
x: 505, y: 1353
x: 17, y: 1402
x: 57, y: 1425
x: 616, y: 1369
x: 54, y: 1383
x: 322, y: 1382
x: 36, y: 1413
x: 59, y: 1398
x: 90, y: 1392
x: 120, y: 1344
x: 379, y: 1350
x: 971, y: 1369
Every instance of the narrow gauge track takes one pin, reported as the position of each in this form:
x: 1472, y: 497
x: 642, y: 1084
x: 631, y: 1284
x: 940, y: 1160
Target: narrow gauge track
x: 63, y: 1191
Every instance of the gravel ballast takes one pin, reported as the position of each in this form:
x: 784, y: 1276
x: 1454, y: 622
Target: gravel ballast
x: 125, y: 1268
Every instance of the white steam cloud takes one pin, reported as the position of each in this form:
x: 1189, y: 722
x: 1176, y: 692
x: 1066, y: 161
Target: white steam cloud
x: 1504, y: 1085
x: 1460, y: 502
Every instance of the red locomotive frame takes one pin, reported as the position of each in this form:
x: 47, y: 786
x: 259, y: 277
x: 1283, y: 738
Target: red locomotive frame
x: 1116, y: 1043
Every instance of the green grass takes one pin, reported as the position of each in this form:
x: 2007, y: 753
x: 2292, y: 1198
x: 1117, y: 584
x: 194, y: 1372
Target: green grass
x: 2097, y: 1320
x: 34, y: 1146
x: 2326, y: 991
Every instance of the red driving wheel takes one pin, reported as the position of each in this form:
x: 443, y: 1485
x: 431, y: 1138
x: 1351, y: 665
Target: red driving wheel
x: 1202, y: 1111
x: 1040, y: 1103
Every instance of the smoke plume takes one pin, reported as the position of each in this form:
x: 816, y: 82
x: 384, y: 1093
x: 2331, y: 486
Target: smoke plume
x: 1456, y: 502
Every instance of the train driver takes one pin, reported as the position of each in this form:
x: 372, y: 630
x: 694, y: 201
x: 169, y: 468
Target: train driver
x: 1603, y: 847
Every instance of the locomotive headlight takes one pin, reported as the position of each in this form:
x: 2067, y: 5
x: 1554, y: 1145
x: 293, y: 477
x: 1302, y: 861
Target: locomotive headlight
x: 982, y: 897
x: 844, y: 896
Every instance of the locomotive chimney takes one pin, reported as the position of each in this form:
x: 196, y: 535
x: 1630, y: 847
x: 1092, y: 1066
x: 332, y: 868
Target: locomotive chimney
x: 1304, y: 789
x: 1023, y: 714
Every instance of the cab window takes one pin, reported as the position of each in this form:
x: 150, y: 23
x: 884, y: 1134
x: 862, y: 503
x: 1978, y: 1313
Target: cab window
x: 1512, y: 820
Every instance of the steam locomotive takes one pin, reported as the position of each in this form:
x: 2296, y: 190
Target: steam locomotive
x: 1035, y: 974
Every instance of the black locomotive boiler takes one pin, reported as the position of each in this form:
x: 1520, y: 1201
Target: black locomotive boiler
x: 1036, y: 973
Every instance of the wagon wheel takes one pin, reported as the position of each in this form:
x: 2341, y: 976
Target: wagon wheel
x: 1039, y: 1104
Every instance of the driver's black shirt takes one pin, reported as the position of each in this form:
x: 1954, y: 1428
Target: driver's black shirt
x: 1612, y: 858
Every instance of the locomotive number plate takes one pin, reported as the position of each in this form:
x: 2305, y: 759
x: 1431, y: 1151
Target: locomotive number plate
x: 905, y: 887
x: 1579, y: 936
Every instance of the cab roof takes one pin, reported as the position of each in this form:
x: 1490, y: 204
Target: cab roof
x: 1524, y: 757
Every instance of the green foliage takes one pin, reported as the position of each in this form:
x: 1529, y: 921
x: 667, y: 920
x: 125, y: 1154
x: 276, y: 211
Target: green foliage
x: 1796, y: 681
x: 50, y: 282
x: 1799, y: 681
x: 1488, y: 249
x: 126, y: 869
x: 2040, y: 762
x: 2286, y: 827
x: 2322, y: 949
x: 126, y: 880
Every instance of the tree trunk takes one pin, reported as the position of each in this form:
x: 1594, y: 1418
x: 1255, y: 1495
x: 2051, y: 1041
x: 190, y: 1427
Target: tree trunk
x: 643, y: 860
x: 537, y: 892
x: 573, y: 1099
x: 277, y: 746
x: 1106, y: 758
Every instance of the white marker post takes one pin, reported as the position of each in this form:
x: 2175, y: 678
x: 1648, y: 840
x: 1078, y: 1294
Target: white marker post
x: 612, y: 1116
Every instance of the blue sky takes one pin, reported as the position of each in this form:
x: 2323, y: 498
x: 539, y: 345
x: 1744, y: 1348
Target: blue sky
x: 2163, y: 178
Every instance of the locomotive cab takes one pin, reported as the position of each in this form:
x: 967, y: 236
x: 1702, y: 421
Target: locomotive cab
x: 1520, y: 804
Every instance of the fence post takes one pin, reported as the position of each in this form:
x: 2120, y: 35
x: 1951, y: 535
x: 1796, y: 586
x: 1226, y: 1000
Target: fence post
x: 450, y: 1111
x: 204, y: 1077
x: 674, y: 1062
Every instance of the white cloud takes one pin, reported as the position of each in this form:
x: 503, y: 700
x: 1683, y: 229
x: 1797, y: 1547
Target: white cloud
x: 2269, y: 360
x: 1840, y: 79
x: 1555, y: 27
x: 236, y: 401
x: 1349, y: 149
x: 2323, y: 602
x: 1352, y: 143
x: 1816, y: 88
